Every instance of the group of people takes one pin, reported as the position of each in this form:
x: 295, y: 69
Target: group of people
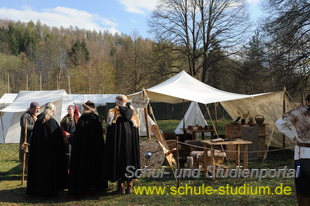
x: 94, y: 160
x: 75, y: 155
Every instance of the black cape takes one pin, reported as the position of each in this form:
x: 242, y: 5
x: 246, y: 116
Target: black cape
x: 87, y: 157
x: 47, y: 167
x: 123, y: 148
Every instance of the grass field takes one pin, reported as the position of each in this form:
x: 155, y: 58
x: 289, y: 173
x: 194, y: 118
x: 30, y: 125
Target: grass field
x: 12, y: 193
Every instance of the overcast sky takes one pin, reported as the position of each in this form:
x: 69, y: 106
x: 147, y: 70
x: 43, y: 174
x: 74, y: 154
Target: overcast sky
x: 123, y: 16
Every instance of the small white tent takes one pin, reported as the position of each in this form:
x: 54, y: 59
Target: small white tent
x: 10, y: 127
x: 193, y: 116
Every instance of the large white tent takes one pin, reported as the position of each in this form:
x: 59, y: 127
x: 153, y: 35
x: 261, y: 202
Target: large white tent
x: 183, y: 87
x: 10, y: 126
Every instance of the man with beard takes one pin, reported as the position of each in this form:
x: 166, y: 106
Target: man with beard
x: 87, y: 155
x: 27, y: 120
x: 48, y: 171
x: 123, y: 148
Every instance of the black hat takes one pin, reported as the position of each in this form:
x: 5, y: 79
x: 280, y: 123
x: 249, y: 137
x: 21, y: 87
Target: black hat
x: 34, y: 104
x: 89, y: 104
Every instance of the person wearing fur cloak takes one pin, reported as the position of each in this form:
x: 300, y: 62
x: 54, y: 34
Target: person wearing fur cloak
x: 87, y: 156
x: 47, y: 167
x: 123, y: 148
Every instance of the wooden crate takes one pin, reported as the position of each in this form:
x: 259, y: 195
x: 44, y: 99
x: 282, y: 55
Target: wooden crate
x: 232, y: 131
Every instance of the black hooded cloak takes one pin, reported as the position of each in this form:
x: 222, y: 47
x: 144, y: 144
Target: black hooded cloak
x: 87, y: 157
x: 123, y: 148
x: 47, y: 167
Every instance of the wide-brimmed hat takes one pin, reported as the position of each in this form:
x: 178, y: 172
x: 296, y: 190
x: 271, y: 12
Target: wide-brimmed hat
x: 89, y: 105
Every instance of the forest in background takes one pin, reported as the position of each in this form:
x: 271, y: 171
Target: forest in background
x: 34, y: 56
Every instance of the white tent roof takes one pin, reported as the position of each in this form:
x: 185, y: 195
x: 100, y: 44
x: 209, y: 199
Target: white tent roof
x: 101, y: 99
x: 24, y: 98
x: 193, y: 116
x: 8, y: 98
x: 185, y: 87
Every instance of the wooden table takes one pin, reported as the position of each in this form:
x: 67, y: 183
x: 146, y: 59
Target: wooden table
x: 202, y: 131
x: 237, y: 142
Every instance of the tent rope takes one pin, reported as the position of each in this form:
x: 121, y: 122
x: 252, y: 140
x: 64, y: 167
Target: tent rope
x: 257, y: 151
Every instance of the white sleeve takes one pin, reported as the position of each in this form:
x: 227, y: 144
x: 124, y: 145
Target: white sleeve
x: 287, y: 128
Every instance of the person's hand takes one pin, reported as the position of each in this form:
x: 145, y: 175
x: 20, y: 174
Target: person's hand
x: 68, y: 135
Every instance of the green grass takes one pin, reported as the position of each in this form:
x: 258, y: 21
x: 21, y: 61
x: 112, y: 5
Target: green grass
x: 12, y: 193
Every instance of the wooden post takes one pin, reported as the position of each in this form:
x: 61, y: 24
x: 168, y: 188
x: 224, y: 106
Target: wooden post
x: 25, y: 147
x: 284, y: 102
x: 27, y: 82
x: 69, y: 84
x: 40, y: 82
x: 178, y: 163
x: 146, y: 117
x: 8, y: 83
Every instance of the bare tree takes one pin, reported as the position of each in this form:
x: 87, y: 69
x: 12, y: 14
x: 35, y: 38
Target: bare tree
x: 191, y: 26
x: 288, y: 26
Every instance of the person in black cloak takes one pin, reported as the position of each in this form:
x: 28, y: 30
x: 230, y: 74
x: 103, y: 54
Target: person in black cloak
x: 47, y: 167
x: 122, y: 141
x: 87, y: 156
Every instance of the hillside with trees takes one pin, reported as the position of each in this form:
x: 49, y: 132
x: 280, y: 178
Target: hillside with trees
x: 203, y: 38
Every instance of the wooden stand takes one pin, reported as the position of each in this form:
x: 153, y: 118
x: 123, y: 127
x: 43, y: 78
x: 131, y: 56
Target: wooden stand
x: 233, y: 131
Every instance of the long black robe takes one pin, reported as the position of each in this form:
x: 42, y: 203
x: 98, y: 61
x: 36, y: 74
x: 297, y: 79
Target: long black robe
x: 87, y: 163
x: 123, y: 148
x: 47, y: 167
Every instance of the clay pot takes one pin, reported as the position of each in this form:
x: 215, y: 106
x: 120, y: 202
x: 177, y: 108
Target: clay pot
x: 259, y: 119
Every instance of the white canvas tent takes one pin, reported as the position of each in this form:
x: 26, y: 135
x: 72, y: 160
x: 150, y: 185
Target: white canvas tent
x: 9, y: 124
x: 183, y: 87
x: 193, y: 116
x: 10, y: 127
x: 7, y: 99
x: 270, y: 106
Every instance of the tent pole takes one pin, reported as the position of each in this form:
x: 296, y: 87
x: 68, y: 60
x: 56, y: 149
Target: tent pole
x: 183, y: 111
x: 283, y: 98
x: 1, y: 113
x: 146, y: 117
x: 215, y: 114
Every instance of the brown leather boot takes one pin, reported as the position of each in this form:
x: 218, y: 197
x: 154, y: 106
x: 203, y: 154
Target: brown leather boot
x: 121, y: 187
x: 129, y: 189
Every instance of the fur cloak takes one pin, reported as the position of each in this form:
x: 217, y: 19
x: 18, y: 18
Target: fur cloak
x: 123, y: 148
